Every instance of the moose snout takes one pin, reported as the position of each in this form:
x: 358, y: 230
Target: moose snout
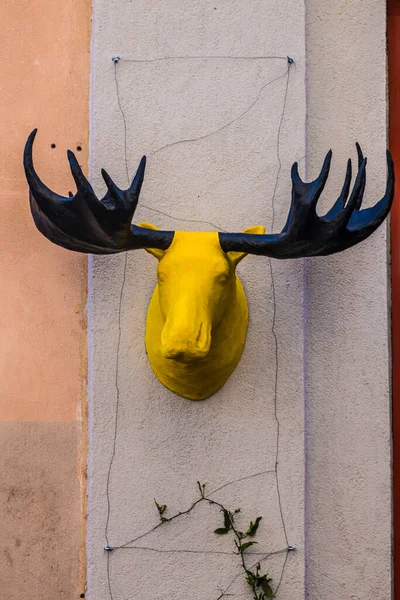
x: 186, y: 344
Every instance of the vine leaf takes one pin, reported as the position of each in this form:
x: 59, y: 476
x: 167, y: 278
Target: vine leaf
x: 221, y: 530
x: 252, y: 530
x: 263, y: 582
x: 161, y: 510
x: 228, y: 520
x: 251, y: 578
x: 202, y: 489
x: 247, y: 545
x: 258, y: 582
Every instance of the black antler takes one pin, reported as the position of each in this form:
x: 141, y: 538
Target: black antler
x: 307, y: 234
x: 84, y: 223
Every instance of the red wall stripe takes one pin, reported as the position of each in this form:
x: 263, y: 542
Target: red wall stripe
x: 394, y: 142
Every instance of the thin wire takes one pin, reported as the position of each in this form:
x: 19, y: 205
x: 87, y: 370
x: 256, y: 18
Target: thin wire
x: 287, y: 74
x: 274, y: 318
x: 124, y: 122
x: 183, y: 220
x: 109, y: 576
x: 161, y: 523
x: 207, y: 135
x: 126, y: 159
x: 117, y: 388
x: 185, y: 512
x: 187, y: 140
x: 216, y: 57
x: 276, y: 343
x: 238, y: 480
x: 265, y: 557
x: 278, y: 146
x: 184, y: 551
x: 282, y: 572
x: 117, y: 400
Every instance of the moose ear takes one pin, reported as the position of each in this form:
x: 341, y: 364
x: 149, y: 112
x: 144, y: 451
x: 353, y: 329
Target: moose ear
x: 154, y: 251
x: 236, y: 257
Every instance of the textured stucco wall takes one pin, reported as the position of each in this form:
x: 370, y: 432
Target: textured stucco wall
x: 45, y: 84
x: 163, y: 443
x: 333, y: 312
x: 347, y: 383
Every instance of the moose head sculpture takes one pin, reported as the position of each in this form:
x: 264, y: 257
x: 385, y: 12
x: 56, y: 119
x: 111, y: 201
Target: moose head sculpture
x: 197, y: 317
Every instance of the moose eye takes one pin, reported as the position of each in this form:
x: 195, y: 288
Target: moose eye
x: 222, y: 279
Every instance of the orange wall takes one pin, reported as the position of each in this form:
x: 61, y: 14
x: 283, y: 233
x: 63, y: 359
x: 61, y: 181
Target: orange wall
x: 44, y: 83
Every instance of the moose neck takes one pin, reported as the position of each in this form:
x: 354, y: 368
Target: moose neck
x: 200, y: 378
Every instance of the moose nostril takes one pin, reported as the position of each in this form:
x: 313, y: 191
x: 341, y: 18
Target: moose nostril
x: 178, y: 356
x: 185, y: 355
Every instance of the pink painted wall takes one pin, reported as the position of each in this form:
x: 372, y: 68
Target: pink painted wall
x: 44, y: 83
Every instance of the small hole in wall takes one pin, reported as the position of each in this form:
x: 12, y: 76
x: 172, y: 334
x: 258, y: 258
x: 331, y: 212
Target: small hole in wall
x: 82, y: 596
x: 52, y: 145
x: 79, y: 148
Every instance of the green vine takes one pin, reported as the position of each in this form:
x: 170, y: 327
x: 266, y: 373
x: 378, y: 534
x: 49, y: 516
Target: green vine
x: 243, y: 540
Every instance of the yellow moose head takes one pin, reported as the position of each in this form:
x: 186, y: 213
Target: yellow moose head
x: 197, y: 317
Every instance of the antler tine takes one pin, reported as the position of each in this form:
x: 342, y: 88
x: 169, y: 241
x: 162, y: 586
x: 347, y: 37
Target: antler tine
x: 136, y: 185
x: 126, y: 199
x: 113, y: 189
x: 305, y: 196
x: 302, y: 213
x: 341, y: 201
x: 362, y: 223
x: 80, y: 180
x: 82, y: 222
x: 340, y: 220
x: 310, y: 192
x: 306, y: 234
x: 360, y: 159
x: 85, y: 194
x: 47, y: 196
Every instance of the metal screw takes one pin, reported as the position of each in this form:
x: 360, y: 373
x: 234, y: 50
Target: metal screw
x: 108, y: 548
x: 291, y: 548
x: 115, y: 59
x: 290, y: 60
